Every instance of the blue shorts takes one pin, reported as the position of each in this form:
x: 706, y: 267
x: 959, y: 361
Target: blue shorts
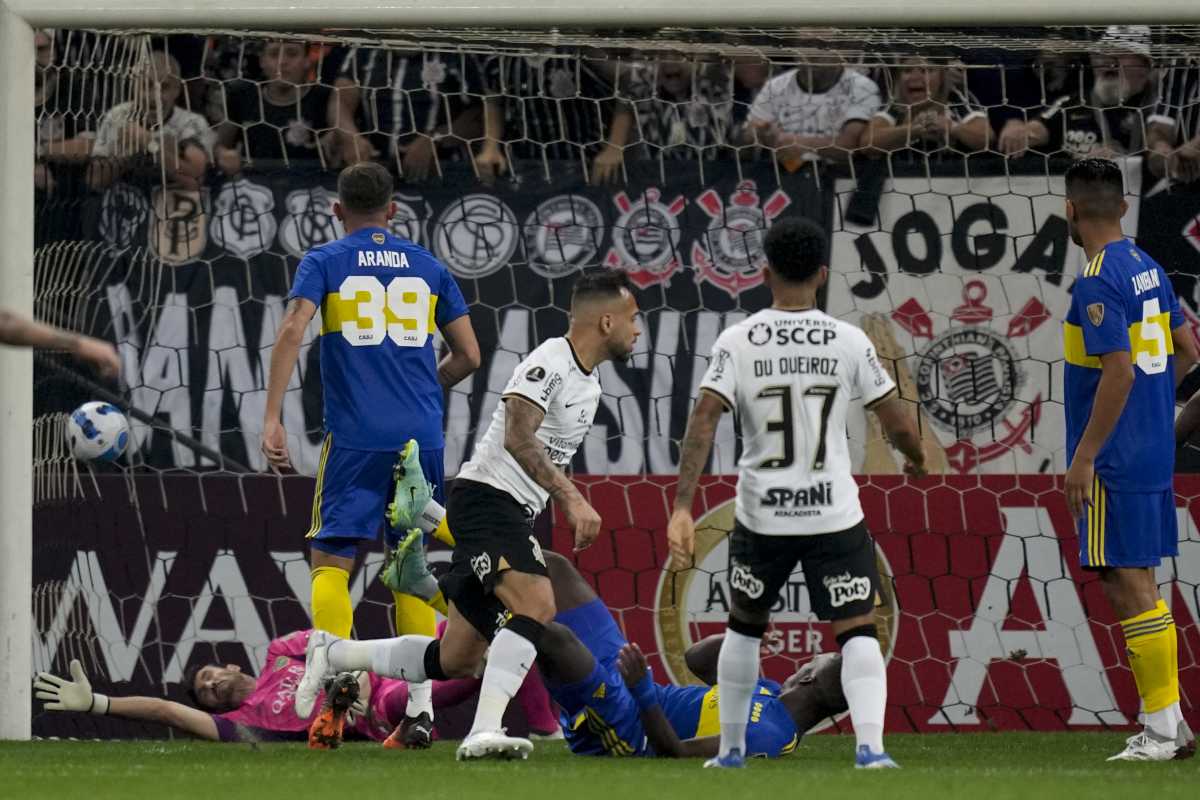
x: 599, y: 715
x: 1128, y: 529
x: 353, y: 490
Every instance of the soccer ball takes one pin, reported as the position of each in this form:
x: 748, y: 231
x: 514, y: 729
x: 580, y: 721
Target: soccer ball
x: 97, y: 431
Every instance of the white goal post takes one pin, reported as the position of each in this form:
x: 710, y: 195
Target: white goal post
x: 18, y: 18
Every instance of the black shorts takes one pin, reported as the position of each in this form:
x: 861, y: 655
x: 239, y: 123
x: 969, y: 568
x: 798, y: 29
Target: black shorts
x: 839, y: 570
x: 492, y: 533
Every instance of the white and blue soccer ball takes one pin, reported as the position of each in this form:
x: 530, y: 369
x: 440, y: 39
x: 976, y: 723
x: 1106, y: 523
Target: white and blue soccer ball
x: 97, y: 431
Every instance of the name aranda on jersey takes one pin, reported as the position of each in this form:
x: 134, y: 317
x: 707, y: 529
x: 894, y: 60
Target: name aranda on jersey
x: 382, y: 258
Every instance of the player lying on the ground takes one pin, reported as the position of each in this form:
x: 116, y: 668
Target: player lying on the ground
x: 610, y: 703
x: 233, y: 706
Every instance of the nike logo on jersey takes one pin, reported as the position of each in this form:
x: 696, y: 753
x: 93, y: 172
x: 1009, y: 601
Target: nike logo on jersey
x: 568, y: 405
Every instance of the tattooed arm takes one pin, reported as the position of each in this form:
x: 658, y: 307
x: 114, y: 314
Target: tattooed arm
x: 693, y: 455
x: 521, y: 420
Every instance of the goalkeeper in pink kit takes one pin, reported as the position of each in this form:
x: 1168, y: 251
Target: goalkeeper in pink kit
x: 233, y: 706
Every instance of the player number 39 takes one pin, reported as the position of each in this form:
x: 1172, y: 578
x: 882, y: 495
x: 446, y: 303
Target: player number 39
x: 399, y: 312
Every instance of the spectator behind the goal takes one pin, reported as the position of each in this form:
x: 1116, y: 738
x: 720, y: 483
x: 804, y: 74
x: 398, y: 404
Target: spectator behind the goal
x: 552, y: 108
x: 1122, y: 106
x: 412, y: 109
x: 284, y: 118
x: 64, y: 118
x: 152, y: 132
x: 683, y: 109
x: 817, y: 111
x: 929, y: 112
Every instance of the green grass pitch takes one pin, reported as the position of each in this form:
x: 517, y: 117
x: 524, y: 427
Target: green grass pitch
x: 970, y: 766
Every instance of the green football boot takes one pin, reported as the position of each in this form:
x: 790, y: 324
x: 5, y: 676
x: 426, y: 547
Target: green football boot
x: 406, y: 570
x: 412, y: 491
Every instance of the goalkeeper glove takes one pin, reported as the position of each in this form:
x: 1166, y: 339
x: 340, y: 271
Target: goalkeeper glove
x: 74, y: 695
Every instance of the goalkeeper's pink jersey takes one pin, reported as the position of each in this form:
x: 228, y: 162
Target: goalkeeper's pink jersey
x: 270, y: 711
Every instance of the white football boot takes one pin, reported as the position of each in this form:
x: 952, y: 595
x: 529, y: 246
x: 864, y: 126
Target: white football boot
x: 1149, y: 746
x: 316, y: 670
x: 493, y: 744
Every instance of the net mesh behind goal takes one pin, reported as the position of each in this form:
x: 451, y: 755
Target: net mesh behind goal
x: 182, y: 175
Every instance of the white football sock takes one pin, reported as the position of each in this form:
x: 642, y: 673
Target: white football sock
x: 864, y: 682
x: 431, y: 516
x: 402, y: 657
x: 420, y: 699
x: 508, y: 662
x: 1165, y: 722
x: 737, y: 675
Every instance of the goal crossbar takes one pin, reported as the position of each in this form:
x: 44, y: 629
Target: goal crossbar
x: 544, y: 14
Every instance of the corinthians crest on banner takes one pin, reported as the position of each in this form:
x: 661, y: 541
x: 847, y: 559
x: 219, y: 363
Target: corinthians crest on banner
x: 645, y: 237
x: 730, y: 253
x: 981, y: 370
x: 970, y: 277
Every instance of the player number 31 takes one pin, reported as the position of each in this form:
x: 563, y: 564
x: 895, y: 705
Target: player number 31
x: 399, y: 312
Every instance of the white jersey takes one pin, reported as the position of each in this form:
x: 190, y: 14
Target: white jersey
x: 789, y: 377
x: 551, y: 378
x: 783, y: 102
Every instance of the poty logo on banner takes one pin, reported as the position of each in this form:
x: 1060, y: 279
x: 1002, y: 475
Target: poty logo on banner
x: 645, y: 238
x: 730, y: 254
x: 475, y: 236
x: 563, y: 234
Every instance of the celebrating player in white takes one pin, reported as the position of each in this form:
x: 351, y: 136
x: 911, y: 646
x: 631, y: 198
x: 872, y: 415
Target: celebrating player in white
x: 789, y: 373
x: 498, y: 586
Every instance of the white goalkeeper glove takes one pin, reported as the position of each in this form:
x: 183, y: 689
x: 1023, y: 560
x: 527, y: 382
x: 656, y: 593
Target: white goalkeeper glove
x: 75, y: 695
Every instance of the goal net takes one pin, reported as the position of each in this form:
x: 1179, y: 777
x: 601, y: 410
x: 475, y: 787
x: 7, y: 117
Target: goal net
x: 181, y: 176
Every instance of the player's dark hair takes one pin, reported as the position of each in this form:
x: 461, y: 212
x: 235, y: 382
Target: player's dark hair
x: 189, y: 683
x: 600, y: 283
x: 795, y: 248
x: 1096, y: 187
x: 365, y: 188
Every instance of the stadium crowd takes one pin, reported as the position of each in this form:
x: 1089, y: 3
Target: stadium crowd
x: 203, y: 106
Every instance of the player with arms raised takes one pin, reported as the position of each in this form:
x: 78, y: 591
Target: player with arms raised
x: 380, y: 297
x: 498, y: 584
x: 1126, y: 348
x: 788, y: 373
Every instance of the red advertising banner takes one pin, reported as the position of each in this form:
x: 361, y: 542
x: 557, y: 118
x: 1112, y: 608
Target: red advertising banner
x: 987, y: 620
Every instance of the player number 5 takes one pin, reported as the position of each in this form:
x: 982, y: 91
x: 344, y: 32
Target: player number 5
x: 1151, y: 346
x: 399, y: 312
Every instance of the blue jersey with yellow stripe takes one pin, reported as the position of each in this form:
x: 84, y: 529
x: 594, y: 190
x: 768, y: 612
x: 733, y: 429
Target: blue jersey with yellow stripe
x: 380, y: 298
x: 693, y: 712
x: 1123, y: 301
